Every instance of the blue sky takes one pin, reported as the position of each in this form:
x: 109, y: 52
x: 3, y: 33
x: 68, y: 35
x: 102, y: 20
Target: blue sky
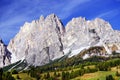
x: 14, y: 13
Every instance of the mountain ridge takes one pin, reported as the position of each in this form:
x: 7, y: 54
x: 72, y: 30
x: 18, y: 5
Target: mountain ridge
x: 49, y: 31
x: 47, y: 39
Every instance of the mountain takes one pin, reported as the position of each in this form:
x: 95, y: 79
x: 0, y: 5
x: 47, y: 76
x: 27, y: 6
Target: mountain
x: 46, y: 39
x: 5, y: 55
x: 38, y: 42
x: 82, y: 34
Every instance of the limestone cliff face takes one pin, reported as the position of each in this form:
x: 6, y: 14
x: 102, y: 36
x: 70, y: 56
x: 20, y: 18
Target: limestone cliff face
x: 81, y: 32
x: 45, y: 39
x: 38, y: 42
x: 5, y: 56
x: 76, y: 33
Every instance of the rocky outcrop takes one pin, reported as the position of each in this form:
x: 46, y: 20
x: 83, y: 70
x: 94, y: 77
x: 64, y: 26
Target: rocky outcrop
x: 38, y: 42
x: 81, y: 32
x: 45, y: 39
x: 5, y: 55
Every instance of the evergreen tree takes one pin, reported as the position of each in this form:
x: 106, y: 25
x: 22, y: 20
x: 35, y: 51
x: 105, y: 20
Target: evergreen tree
x: 48, y: 75
x: 109, y: 77
x: 14, y: 72
x: 67, y: 76
x: 58, y: 75
x: 55, y: 74
x: 63, y: 75
x: 7, y: 76
x: 117, y: 73
x: 1, y: 73
x: 17, y: 77
x: 45, y: 76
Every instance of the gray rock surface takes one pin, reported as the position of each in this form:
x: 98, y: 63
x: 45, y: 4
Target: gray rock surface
x: 81, y: 32
x: 38, y: 42
x: 44, y: 40
x: 5, y: 56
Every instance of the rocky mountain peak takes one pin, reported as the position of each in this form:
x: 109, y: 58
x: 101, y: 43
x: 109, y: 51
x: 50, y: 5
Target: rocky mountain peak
x: 37, y: 39
x: 42, y: 41
x: 42, y: 18
x: 52, y: 16
x: 102, y: 23
x: 83, y: 33
x: 76, y: 23
x: 54, y: 20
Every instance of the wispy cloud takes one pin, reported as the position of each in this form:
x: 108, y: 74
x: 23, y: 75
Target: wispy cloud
x: 16, y: 13
x: 69, y: 7
x: 109, y: 14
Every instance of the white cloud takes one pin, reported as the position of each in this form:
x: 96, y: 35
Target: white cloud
x: 25, y: 9
x: 109, y: 14
x: 70, y: 6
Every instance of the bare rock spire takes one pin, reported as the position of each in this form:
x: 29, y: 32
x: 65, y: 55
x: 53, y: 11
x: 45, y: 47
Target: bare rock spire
x: 5, y: 55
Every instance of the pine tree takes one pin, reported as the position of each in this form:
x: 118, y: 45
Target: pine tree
x: 109, y: 77
x: 48, y: 75
x: 117, y: 73
x: 63, y: 75
x: 1, y: 73
x: 17, y: 77
x: 55, y: 74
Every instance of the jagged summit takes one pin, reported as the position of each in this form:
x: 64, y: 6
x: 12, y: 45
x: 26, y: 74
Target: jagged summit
x: 46, y: 39
x: 39, y: 42
x: 41, y: 18
x: 52, y: 16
